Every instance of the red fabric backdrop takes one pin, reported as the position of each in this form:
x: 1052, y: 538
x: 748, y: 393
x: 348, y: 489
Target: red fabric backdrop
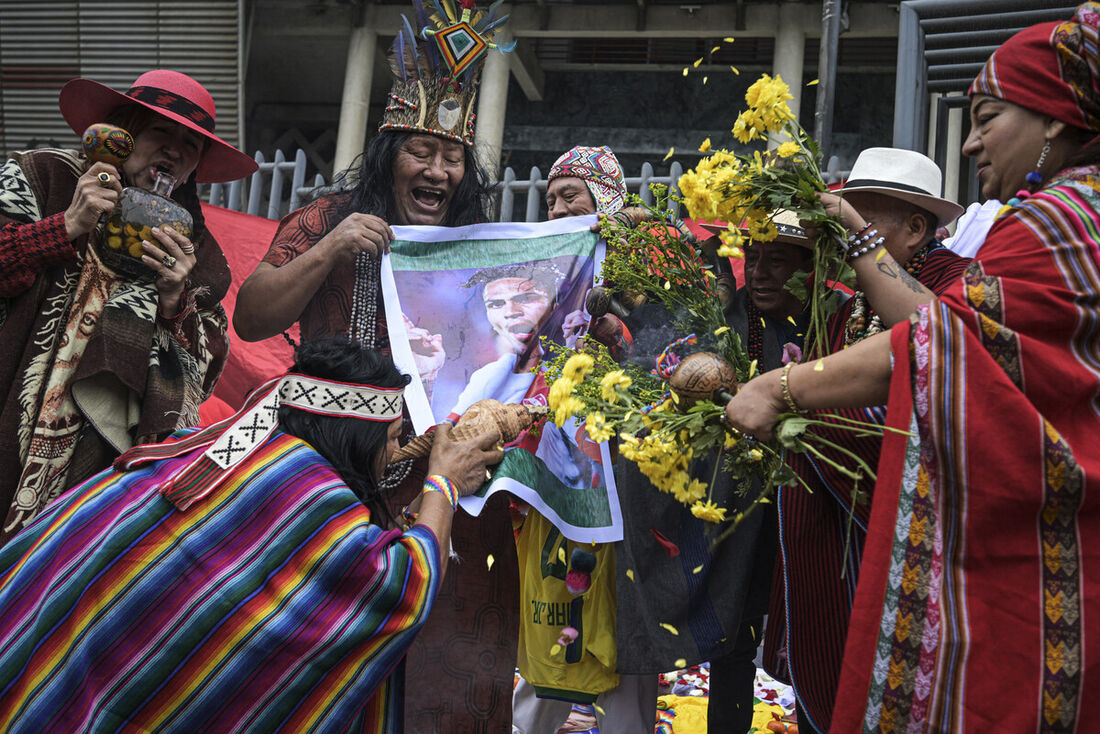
x: 244, y: 239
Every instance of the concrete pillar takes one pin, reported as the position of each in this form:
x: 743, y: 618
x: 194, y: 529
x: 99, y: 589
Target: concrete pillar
x: 953, y: 186
x: 790, y: 46
x: 491, y: 106
x: 355, y: 102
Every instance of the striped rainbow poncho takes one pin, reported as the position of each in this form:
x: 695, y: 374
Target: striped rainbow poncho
x: 273, y: 604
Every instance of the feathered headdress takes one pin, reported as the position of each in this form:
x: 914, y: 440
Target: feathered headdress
x: 436, y: 70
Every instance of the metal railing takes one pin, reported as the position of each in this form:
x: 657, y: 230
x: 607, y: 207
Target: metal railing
x: 271, y: 200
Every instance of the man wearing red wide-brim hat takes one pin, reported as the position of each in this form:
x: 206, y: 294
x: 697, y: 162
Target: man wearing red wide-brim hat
x: 93, y: 359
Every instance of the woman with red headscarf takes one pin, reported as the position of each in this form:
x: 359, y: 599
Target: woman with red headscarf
x: 981, y: 563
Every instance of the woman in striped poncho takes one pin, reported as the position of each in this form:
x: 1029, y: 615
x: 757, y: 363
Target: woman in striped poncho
x: 982, y: 560
x: 238, y: 577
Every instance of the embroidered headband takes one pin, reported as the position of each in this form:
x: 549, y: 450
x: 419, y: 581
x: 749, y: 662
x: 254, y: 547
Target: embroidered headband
x: 232, y: 440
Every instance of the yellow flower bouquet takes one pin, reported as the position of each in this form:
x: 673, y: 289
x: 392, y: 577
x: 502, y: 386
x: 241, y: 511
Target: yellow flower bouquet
x: 745, y: 190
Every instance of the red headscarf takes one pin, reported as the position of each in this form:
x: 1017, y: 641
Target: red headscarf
x: 1051, y: 68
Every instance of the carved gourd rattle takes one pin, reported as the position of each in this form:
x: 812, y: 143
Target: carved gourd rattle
x: 703, y: 376
x: 506, y: 420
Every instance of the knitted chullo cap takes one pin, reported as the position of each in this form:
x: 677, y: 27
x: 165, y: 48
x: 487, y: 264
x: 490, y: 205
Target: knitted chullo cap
x: 600, y: 171
x: 1051, y: 68
x: 436, y: 69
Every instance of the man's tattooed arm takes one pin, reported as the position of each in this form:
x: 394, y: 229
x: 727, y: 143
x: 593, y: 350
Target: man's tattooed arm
x: 899, y: 274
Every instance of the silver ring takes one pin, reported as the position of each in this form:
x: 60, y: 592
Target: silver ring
x: 169, y: 261
x: 189, y: 250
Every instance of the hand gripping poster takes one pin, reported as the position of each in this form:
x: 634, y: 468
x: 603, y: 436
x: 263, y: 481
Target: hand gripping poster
x: 466, y: 309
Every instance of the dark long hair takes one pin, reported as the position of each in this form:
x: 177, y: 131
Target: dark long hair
x: 368, y: 184
x: 352, y: 446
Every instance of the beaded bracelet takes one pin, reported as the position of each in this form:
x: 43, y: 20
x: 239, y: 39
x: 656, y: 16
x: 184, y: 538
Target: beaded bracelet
x: 864, y: 250
x: 443, y: 485
x: 853, y: 238
x: 784, y: 386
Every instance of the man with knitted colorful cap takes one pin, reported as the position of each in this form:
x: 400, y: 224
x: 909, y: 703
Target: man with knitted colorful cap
x: 240, y: 577
x: 585, y: 180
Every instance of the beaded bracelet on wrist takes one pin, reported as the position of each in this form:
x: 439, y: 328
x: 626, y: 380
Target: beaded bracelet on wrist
x: 865, y: 249
x: 785, y: 388
x: 443, y: 485
x: 854, y: 238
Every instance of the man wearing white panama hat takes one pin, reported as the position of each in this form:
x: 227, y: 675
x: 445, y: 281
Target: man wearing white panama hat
x: 891, y: 206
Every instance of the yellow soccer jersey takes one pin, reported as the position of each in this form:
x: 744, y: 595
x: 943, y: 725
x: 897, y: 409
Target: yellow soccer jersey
x: 578, y: 672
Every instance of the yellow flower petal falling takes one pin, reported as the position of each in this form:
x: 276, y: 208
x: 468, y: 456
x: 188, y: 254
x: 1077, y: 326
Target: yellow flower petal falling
x: 670, y: 628
x: 680, y: 663
x: 728, y: 39
x: 672, y: 149
x: 489, y: 562
x: 630, y: 574
x: 708, y: 511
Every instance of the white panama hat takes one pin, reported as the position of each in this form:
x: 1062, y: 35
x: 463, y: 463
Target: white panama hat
x: 902, y: 174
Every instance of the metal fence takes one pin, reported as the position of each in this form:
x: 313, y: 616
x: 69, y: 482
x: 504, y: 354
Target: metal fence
x: 265, y: 193
x: 272, y: 201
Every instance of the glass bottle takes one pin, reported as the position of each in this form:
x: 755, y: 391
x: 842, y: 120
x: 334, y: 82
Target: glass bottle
x: 138, y: 211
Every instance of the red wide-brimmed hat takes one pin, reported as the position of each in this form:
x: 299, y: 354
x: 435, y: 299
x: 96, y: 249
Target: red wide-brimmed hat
x: 170, y: 94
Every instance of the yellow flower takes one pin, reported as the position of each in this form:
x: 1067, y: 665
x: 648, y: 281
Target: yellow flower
x: 696, y: 489
x: 567, y: 408
x: 577, y: 367
x: 786, y: 150
x: 767, y: 98
x: 562, y: 388
x: 612, y: 380
x: 754, y: 455
x: 762, y: 230
x: 704, y: 146
x: 708, y: 511
x: 732, y: 439
x: 732, y: 242
x: 744, y: 130
x: 597, y: 428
